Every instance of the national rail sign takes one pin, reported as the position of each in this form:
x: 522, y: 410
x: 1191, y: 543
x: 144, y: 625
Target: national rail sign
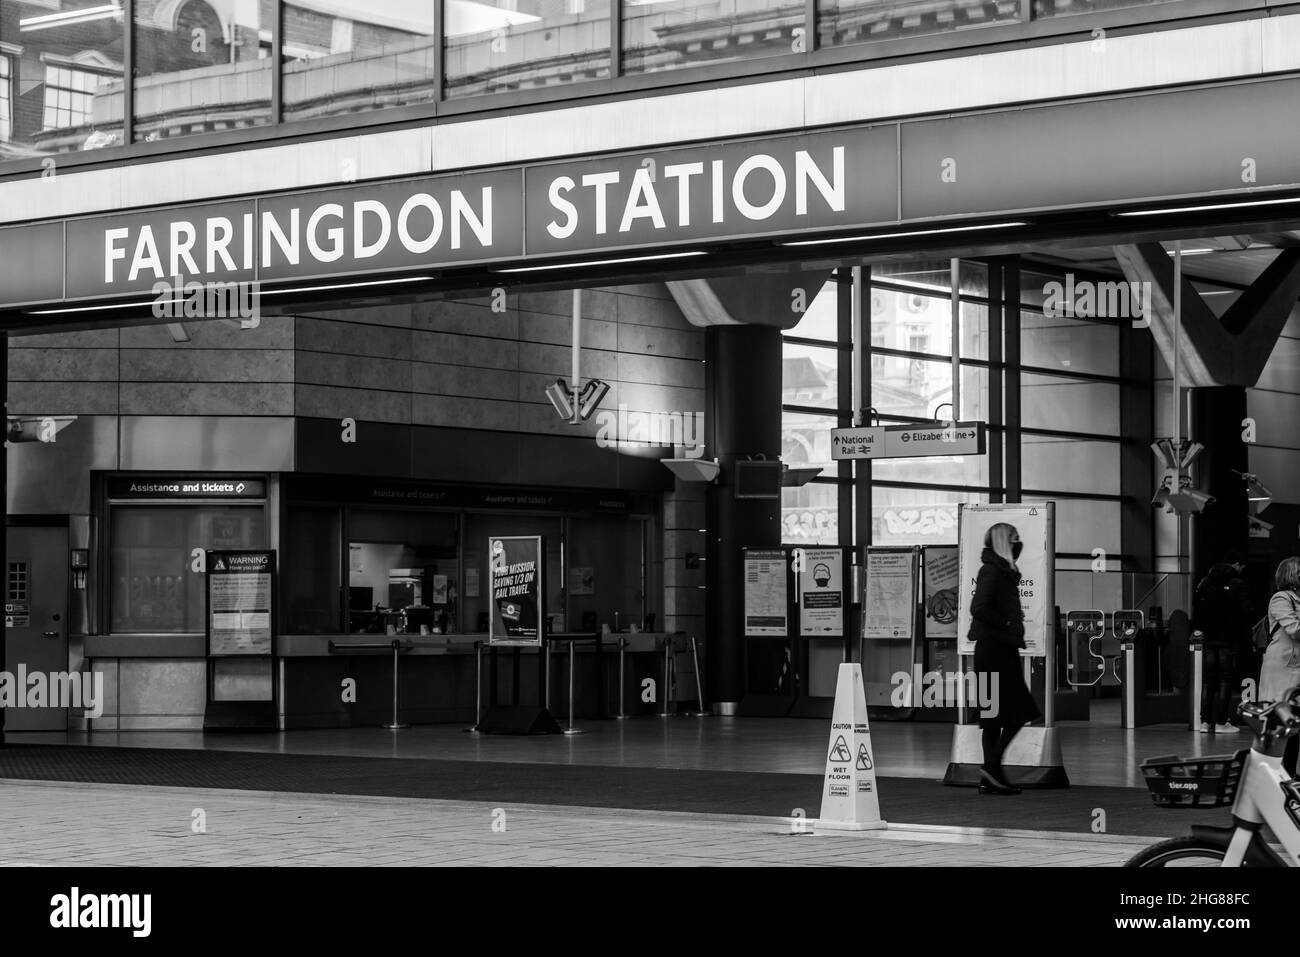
x: 908, y: 441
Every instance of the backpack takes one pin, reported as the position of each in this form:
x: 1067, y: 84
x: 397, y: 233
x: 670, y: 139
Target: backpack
x: 1261, y: 636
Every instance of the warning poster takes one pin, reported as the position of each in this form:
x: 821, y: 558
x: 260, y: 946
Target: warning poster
x: 240, y: 598
x: 821, y: 592
x: 515, y: 573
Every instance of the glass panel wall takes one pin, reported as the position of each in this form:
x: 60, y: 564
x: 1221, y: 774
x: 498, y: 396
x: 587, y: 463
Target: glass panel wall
x: 200, y: 71
x: 62, y: 76
x: 152, y: 587
x: 346, y: 56
x: 1060, y: 8
x: 842, y: 22
x: 501, y: 45
x: 673, y: 34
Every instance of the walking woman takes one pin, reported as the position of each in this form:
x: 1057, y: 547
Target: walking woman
x: 998, y: 630
x: 1280, y: 671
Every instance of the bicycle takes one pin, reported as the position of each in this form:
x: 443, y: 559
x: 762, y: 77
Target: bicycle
x: 1263, y: 795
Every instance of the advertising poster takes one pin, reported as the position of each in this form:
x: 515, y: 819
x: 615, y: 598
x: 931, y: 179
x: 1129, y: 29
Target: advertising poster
x: 821, y: 593
x: 240, y: 599
x: 765, y: 593
x: 515, y: 573
x: 939, y: 563
x: 1035, y: 523
x: 889, y: 608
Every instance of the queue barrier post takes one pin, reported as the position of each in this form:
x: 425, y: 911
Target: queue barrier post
x: 571, y: 729
x: 622, y: 648
x: 702, y: 711
x: 397, y: 648
x: 478, y: 687
x: 667, y: 690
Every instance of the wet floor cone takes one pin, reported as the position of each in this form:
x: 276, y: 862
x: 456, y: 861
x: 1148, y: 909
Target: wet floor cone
x: 850, y: 801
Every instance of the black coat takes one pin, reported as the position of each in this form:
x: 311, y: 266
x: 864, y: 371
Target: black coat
x: 998, y: 630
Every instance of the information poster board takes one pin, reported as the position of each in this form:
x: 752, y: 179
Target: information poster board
x: 889, y: 606
x: 821, y: 592
x: 766, y: 596
x: 241, y: 594
x: 1035, y: 522
x: 939, y: 573
x: 515, y: 569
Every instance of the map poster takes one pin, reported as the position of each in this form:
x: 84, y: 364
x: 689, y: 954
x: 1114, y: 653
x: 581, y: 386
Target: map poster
x: 240, y: 598
x: 766, y: 611
x: 940, y: 576
x: 515, y: 573
x: 889, y: 608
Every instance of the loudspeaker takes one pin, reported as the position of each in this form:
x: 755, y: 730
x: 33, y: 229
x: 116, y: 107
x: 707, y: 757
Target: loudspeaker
x: 518, y: 719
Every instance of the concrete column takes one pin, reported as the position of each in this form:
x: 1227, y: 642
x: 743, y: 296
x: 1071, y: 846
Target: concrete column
x: 745, y: 395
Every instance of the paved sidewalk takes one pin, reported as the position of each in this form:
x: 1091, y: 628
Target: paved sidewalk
x: 64, y: 824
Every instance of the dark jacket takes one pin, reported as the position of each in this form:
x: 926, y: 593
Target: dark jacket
x: 1221, y: 607
x: 995, y: 608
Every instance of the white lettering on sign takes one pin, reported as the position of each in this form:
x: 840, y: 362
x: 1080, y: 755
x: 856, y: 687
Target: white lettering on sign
x: 321, y: 234
x: 758, y: 189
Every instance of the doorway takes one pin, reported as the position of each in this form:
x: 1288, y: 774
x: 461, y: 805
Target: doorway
x: 36, y: 613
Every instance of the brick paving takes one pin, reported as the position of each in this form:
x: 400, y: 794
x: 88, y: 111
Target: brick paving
x: 66, y: 824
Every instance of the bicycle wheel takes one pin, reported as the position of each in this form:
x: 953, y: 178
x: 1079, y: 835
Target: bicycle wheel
x: 1179, y: 852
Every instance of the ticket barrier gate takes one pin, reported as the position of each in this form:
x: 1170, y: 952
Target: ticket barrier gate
x: 1123, y: 646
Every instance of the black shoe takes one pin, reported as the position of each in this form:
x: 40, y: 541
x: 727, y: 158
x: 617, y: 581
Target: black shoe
x: 990, y: 784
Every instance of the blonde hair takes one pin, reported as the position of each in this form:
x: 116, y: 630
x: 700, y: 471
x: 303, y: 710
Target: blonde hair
x: 998, y: 538
x: 1287, y: 576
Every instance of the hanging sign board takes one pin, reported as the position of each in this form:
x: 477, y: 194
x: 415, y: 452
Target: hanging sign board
x: 889, y: 607
x: 765, y: 593
x: 241, y: 594
x: 515, y: 566
x: 939, y: 565
x: 1035, y: 522
x: 821, y: 592
x: 908, y: 441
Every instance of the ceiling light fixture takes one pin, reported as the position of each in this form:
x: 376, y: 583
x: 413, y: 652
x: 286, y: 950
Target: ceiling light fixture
x: 904, y: 235
x: 602, y: 262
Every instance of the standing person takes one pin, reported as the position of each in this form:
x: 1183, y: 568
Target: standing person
x: 1221, y: 613
x: 998, y: 630
x: 1281, y: 669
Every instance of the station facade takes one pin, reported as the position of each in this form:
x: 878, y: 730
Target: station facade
x: 759, y: 222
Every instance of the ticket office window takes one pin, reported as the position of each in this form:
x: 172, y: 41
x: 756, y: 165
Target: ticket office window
x: 403, y: 570
x: 153, y: 587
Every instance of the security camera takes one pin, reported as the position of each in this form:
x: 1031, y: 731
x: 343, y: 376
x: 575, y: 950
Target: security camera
x: 590, y: 397
x: 562, y: 398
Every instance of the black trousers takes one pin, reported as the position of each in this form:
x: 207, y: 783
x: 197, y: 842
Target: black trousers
x: 995, y: 739
x: 1218, y: 677
x: 1290, y: 754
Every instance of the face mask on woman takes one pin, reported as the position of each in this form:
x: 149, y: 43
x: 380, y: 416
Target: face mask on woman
x: 1016, y: 548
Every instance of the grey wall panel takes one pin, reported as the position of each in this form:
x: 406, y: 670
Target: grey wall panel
x: 271, y: 332
x: 228, y: 443
x: 182, y: 364
x: 63, y: 398
x: 387, y: 374
x: 206, y: 398
x: 380, y: 448
x: 1277, y: 419
x: 330, y: 402
x: 462, y: 413
x: 53, y: 364
x: 437, y: 379
x: 349, y: 338
x: 54, y: 478
x: 467, y: 350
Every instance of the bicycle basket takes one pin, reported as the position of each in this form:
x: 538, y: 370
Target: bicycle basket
x: 1210, y: 781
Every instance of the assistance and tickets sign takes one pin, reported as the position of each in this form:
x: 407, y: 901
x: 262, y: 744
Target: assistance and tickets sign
x: 241, y: 596
x: 1035, y: 524
x: 516, y: 566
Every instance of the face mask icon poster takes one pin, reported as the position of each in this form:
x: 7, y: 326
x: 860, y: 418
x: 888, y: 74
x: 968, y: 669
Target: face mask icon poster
x: 515, y: 572
x: 1035, y: 523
